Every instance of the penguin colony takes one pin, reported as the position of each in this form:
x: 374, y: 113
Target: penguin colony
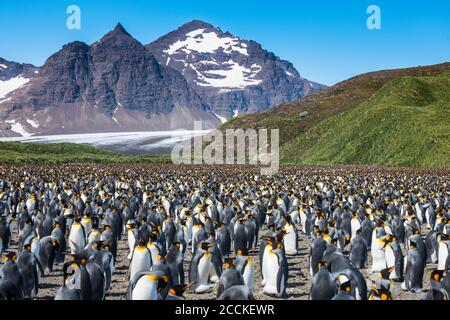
x: 164, y: 232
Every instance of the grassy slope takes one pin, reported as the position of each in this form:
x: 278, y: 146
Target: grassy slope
x: 406, y: 123
x: 17, y: 152
x: 343, y: 96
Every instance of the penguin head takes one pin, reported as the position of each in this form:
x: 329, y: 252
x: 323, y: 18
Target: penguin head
x: 412, y: 245
x: 345, y: 287
x: 385, y: 273
x: 229, y: 263
x: 322, y: 265
x: 438, y: 275
x: 10, y: 256
x: 206, y: 245
x: 27, y: 247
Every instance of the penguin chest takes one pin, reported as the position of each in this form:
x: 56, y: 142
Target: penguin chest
x: 290, y: 240
x: 203, y: 268
x: 378, y: 256
x: 94, y: 236
x: 141, y: 261
x: 35, y: 246
x: 355, y: 225
x: 154, y: 251
x: 131, y: 240
x: 391, y: 261
x: 87, y: 225
x: 272, y: 267
x: 76, y: 237
x: 303, y: 218
x: 442, y: 255
x: 248, y: 273
x: 145, y: 289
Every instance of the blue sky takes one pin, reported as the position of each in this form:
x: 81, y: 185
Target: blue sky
x: 327, y: 41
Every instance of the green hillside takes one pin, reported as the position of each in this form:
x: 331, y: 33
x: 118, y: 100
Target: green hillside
x: 406, y: 123
x: 18, y: 152
x: 342, y: 97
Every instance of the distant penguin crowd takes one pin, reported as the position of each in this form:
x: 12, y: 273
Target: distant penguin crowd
x: 213, y: 229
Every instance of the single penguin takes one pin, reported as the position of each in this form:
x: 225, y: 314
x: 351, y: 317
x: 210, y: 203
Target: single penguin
x: 147, y: 285
x: 10, y: 272
x: 175, y: 261
x: 77, y: 236
x: 358, y: 250
x: 229, y: 277
x: 27, y: 265
x: 318, y: 248
x: 323, y: 286
x: 290, y: 239
x: 200, y: 268
x: 141, y: 259
x: 414, y: 270
x: 344, y: 291
x: 245, y: 265
x: 276, y: 274
x: 64, y: 292
x: 48, y: 248
x: 437, y: 290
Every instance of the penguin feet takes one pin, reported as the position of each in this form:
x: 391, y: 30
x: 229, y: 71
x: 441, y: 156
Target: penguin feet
x: 403, y: 286
x: 204, y: 288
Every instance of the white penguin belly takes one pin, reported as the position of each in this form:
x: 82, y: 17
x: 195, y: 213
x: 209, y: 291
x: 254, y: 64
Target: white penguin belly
x: 76, y: 238
x: 145, y: 289
x: 154, y: 252
x: 355, y: 225
x: 87, y: 225
x: 203, y: 271
x: 140, y: 261
x: 390, y: 261
x: 248, y: 274
x: 271, y: 277
x: 442, y: 255
x: 94, y: 236
x: 290, y: 241
x: 131, y: 243
x: 378, y: 257
x: 303, y: 218
x: 265, y: 264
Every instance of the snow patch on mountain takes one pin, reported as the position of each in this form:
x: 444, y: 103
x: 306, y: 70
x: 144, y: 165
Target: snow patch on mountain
x: 207, y: 42
x: 11, y: 85
x: 33, y: 123
x: 233, y: 76
x: 18, y: 128
x: 222, y: 119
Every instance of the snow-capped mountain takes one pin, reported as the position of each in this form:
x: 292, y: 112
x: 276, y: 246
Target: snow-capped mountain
x: 113, y: 85
x: 232, y: 75
x: 13, y: 75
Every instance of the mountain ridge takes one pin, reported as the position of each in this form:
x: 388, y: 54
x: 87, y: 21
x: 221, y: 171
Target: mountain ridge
x: 114, y: 84
x: 231, y: 74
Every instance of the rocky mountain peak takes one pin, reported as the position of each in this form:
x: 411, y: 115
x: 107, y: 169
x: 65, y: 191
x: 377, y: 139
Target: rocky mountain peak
x: 118, y: 37
x: 231, y: 74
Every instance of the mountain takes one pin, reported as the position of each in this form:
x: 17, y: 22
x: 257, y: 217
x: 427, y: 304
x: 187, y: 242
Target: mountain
x: 115, y: 84
x: 298, y: 120
x: 406, y: 123
x: 14, y: 75
x: 232, y: 75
